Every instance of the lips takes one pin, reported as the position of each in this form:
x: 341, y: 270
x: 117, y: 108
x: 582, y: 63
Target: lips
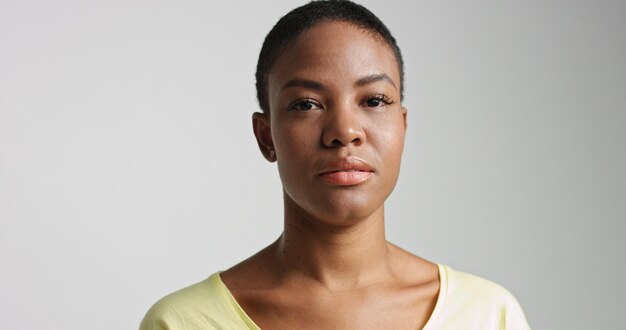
x: 346, y: 172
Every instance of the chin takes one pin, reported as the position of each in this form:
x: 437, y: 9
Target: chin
x: 343, y: 218
x: 341, y: 212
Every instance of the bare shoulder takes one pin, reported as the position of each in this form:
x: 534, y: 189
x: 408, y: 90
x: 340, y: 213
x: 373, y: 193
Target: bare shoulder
x: 414, y: 269
x: 253, y: 273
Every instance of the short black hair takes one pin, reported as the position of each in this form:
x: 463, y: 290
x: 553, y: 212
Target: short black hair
x: 299, y: 20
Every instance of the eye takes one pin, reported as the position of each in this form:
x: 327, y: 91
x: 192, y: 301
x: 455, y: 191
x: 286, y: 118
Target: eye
x: 378, y: 100
x: 304, y: 105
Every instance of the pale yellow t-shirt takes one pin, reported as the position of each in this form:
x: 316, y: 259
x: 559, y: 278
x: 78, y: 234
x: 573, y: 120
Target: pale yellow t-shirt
x: 465, y: 302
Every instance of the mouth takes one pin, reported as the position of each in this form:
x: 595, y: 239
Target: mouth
x: 346, y: 172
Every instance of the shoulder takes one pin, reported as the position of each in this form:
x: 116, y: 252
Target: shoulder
x: 204, y: 305
x: 467, y: 287
x: 470, y: 301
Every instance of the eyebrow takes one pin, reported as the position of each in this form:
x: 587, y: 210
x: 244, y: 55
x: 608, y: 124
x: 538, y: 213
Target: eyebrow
x: 374, y: 78
x: 311, y: 84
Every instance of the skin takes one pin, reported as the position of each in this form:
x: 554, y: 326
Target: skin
x: 332, y: 267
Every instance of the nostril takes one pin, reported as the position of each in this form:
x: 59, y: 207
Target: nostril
x: 356, y: 141
x: 341, y: 136
x: 338, y: 142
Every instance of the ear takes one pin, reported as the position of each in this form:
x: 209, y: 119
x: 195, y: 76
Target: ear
x: 404, y: 112
x: 263, y: 133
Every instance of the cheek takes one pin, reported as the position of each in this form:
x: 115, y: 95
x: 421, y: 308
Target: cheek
x: 388, y: 137
x: 391, y: 146
x: 294, y: 141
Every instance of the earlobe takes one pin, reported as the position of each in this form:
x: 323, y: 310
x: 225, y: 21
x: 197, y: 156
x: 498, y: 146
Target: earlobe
x: 404, y: 113
x: 263, y: 133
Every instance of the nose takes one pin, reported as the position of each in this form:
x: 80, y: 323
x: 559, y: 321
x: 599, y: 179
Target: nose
x: 342, y: 128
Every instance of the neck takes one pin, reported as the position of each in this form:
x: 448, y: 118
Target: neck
x: 335, y: 255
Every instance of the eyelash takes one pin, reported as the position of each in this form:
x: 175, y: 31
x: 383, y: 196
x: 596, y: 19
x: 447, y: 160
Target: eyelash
x: 386, y: 100
x: 382, y: 98
x: 294, y: 104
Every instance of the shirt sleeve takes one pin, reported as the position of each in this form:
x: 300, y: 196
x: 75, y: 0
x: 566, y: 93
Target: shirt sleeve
x: 513, y: 317
x: 161, y: 317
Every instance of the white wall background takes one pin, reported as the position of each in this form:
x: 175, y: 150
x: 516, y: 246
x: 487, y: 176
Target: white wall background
x: 128, y: 167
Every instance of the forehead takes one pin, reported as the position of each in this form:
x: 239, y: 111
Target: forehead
x: 335, y: 51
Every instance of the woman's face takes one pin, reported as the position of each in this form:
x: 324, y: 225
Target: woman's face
x: 335, y: 122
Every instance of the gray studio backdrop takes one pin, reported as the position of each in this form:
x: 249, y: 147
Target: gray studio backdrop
x: 128, y: 168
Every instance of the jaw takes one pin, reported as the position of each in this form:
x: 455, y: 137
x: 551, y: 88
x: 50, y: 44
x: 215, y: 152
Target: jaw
x: 339, y: 208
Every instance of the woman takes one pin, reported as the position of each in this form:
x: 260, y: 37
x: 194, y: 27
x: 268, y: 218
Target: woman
x: 329, y: 82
